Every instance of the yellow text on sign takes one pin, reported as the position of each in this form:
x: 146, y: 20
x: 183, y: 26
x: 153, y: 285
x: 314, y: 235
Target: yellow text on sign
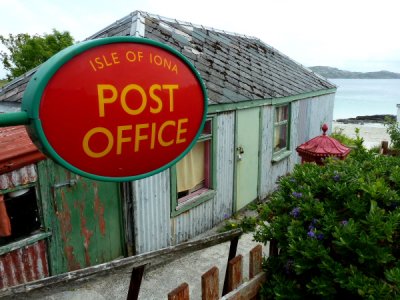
x: 134, y: 135
x: 149, y: 98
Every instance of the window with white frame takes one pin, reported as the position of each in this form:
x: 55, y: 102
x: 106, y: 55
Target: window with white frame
x: 194, y: 170
x: 281, y: 128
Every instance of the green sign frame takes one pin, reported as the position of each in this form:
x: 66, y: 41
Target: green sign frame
x: 29, y: 114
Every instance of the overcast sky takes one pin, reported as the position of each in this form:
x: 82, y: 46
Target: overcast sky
x: 355, y: 35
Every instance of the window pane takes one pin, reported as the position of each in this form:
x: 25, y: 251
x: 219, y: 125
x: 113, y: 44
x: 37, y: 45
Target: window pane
x: 280, y: 137
x: 281, y: 113
x: 207, y: 127
x: 191, y: 169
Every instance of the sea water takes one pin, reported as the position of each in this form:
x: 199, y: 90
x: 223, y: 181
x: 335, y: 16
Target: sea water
x: 365, y: 97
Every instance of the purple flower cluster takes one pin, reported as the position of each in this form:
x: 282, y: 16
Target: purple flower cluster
x: 336, y: 177
x: 312, y: 231
x: 289, y: 266
x: 313, y: 235
x: 297, y: 195
x: 295, y: 212
x: 344, y: 222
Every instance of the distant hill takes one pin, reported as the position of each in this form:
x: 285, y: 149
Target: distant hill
x: 329, y: 72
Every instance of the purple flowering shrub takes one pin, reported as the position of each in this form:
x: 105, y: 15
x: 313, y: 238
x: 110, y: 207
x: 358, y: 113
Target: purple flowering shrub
x: 337, y: 229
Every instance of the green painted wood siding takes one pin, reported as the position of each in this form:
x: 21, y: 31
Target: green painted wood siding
x: 84, y: 217
x: 247, y: 138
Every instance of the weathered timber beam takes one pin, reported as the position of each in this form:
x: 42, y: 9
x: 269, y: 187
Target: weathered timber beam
x: 153, y: 258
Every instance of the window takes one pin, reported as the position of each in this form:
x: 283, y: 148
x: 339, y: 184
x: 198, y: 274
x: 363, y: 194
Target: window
x: 281, y: 129
x: 19, y: 215
x: 193, y: 172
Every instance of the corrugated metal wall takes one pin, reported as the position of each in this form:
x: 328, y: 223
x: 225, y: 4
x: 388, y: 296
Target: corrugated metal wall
x: 320, y: 112
x: 203, y: 217
x: 303, y: 123
x: 18, y: 177
x: 23, y: 265
x: 223, y: 201
x: 307, y: 116
x: 152, y: 212
x: 154, y: 229
x: 313, y: 113
x: 265, y: 177
x: 192, y: 222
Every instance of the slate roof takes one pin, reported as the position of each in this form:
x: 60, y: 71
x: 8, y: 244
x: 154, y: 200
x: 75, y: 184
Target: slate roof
x: 235, y: 67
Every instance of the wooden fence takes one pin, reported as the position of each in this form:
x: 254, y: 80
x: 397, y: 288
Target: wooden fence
x: 234, y: 288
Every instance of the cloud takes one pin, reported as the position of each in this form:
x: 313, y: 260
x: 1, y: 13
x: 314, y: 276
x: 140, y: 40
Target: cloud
x: 339, y: 33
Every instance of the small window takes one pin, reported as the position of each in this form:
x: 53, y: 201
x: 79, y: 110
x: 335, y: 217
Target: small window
x: 281, y: 128
x: 193, y: 172
x: 19, y: 215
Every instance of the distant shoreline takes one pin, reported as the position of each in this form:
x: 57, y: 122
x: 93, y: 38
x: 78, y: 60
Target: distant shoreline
x: 335, y: 73
x: 366, y: 119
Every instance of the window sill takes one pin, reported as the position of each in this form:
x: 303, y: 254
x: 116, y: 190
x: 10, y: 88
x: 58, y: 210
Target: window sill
x: 193, y: 202
x: 24, y: 242
x: 277, y: 157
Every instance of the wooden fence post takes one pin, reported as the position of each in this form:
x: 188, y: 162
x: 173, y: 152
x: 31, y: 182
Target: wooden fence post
x: 232, y: 254
x: 273, y: 248
x: 136, y: 280
x: 235, y: 273
x: 255, y: 263
x: 385, y: 148
x: 180, y: 293
x: 210, y: 284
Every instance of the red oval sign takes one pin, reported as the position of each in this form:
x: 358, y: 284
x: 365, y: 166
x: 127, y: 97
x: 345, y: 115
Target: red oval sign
x: 122, y: 110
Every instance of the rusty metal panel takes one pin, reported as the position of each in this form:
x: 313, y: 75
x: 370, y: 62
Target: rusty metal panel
x: 24, y: 265
x: 225, y: 142
x: 192, y: 222
x: 84, y: 217
x: 152, y: 212
x: 18, y: 177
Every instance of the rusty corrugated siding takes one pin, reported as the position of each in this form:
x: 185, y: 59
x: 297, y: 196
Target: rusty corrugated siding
x: 18, y: 177
x: 17, y: 149
x: 24, y: 265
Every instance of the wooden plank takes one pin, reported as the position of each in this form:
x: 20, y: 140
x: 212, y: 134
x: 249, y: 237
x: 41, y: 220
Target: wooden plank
x: 180, y: 293
x: 134, y: 285
x: 247, y: 290
x: 255, y: 263
x: 153, y: 258
x: 273, y: 248
x: 232, y: 254
x: 210, y: 284
x: 235, y: 273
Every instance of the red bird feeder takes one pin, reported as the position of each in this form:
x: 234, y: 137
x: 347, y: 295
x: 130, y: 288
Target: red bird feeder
x: 316, y: 149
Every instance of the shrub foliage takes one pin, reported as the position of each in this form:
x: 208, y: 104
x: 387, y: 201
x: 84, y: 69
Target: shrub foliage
x: 337, y: 228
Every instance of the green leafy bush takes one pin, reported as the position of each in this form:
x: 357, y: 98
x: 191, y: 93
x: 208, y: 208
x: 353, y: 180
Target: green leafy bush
x: 392, y: 128
x: 342, y: 138
x: 337, y: 228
